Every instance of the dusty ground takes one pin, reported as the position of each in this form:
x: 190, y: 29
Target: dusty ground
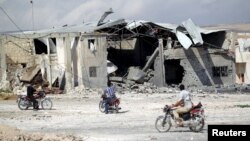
x: 77, y: 116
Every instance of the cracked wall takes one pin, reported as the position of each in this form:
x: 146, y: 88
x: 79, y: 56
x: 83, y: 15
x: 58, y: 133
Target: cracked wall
x: 200, y: 66
x: 18, y: 54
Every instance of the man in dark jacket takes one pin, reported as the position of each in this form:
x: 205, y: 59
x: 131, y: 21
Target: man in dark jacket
x: 30, y: 94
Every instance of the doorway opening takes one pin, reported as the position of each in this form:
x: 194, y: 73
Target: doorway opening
x: 174, y: 72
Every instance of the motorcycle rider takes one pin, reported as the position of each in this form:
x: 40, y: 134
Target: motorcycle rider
x: 110, y: 95
x: 30, y: 94
x: 183, y: 105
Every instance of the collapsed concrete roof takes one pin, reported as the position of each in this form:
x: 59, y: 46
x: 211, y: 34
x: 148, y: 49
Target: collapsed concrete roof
x: 128, y: 24
x: 180, y: 31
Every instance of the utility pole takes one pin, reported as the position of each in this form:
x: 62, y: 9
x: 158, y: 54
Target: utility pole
x: 31, y: 2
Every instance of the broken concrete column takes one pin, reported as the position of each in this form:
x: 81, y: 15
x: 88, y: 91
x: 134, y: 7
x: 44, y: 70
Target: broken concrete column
x: 169, y: 43
x: 159, y: 72
x: 151, y: 60
x: 162, y: 70
x: 61, y: 61
x: 75, y: 59
x: 49, y: 66
x: 80, y: 63
x: 68, y: 73
x: 3, y: 67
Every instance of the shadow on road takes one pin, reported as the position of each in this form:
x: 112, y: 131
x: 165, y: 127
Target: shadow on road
x: 122, y: 112
x: 187, y: 130
x: 30, y: 109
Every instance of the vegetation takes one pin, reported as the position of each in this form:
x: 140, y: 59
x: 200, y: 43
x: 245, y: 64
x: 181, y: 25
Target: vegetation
x: 5, y: 91
x: 243, y: 106
x: 6, y: 95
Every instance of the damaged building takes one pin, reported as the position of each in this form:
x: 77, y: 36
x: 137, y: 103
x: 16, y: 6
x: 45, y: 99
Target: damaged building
x: 62, y: 60
x: 162, y: 55
x: 124, y: 52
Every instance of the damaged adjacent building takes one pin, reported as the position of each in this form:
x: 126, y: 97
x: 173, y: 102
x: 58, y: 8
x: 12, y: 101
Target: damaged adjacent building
x: 171, y: 56
x: 166, y: 54
x: 125, y: 52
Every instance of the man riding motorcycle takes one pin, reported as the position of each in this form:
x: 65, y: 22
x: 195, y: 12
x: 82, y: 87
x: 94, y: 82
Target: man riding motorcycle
x: 30, y: 94
x: 183, y: 105
x: 109, y: 92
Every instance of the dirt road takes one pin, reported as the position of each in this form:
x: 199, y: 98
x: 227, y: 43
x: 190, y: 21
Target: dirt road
x: 78, y: 115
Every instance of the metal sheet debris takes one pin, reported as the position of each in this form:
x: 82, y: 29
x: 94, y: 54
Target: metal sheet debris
x: 183, y: 39
x: 111, y: 67
x: 193, y: 31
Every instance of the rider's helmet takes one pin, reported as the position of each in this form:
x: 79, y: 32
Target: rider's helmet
x: 182, y: 87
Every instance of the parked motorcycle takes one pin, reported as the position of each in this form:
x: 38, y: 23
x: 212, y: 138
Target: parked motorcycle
x: 113, y: 105
x: 24, y: 102
x: 194, y: 119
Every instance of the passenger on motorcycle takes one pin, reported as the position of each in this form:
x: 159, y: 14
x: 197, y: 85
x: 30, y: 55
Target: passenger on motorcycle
x: 183, y: 105
x: 30, y: 94
x: 110, y: 95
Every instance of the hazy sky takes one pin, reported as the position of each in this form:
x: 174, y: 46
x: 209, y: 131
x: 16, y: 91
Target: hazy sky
x: 49, y: 13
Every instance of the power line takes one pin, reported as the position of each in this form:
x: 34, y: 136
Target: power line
x: 12, y: 20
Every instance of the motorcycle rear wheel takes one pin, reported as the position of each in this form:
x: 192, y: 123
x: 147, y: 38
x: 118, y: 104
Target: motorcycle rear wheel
x: 117, y: 108
x: 161, y: 125
x: 22, y: 104
x: 47, y: 104
x: 102, y: 106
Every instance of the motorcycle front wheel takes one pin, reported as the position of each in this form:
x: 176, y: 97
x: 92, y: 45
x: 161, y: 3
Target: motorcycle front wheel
x: 22, y: 104
x: 102, y: 106
x: 200, y: 125
x: 162, y: 124
x: 47, y: 104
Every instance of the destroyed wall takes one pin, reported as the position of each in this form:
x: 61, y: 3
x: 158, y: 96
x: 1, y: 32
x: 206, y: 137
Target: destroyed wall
x: 70, y: 58
x: 203, y: 66
x: 93, y: 61
x: 242, y: 58
x: 131, y: 52
x: 18, y: 54
x: 23, y: 56
x: 18, y: 50
x: 121, y: 53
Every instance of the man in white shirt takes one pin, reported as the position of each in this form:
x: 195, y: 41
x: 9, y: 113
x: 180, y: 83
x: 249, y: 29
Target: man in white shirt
x: 110, y: 95
x: 184, y: 104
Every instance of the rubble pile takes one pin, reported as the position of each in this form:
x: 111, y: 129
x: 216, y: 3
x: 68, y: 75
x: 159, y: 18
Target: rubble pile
x: 137, y: 82
x: 146, y: 87
x: 14, y: 78
x: 12, y: 134
x: 81, y: 90
x: 4, y: 85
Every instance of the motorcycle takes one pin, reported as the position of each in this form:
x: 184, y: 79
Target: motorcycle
x: 24, y: 102
x: 194, y: 119
x: 113, y: 105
